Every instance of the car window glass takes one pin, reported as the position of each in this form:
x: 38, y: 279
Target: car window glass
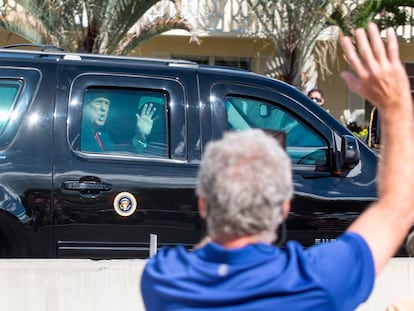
x: 124, y: 121
x: 9, y: 91
x: 303, y: 144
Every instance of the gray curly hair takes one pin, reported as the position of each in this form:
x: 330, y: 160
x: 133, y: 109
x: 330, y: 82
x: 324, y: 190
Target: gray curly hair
x: 245, y: 178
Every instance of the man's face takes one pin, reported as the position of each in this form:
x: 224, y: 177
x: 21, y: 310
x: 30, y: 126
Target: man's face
x: 96, y: 112
x: 317, y: 98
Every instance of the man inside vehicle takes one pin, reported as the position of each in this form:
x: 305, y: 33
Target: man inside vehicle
x: 95, y: 114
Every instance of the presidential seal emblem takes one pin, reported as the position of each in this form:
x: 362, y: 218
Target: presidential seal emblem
x: 125, y: 204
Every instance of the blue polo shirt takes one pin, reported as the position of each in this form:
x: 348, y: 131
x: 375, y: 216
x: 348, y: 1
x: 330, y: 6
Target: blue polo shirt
x: 331, y: 276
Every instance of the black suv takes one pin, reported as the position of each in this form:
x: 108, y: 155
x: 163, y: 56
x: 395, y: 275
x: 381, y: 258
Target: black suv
x: 65, y: 192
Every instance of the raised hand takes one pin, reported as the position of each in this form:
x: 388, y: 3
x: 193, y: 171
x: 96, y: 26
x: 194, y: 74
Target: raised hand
x: 379, y: 76
x: 378, y: 73
x: 145, y: 121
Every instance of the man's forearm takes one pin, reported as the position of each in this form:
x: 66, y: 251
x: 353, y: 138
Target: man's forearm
x: 386, y: 223
x: 396, y: 163
x: 380, y: 77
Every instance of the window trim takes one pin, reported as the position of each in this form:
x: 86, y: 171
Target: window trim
x: 225, y: 89
x: 175, y: 104
x: 30, y: 79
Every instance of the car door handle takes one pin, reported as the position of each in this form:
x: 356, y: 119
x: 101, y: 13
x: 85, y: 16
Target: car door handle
x: 77, y: 185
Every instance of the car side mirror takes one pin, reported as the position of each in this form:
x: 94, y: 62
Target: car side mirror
x: 350, y: 154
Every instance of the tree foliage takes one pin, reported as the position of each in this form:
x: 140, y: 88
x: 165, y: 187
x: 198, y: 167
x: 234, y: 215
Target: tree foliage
x: 90, y: 26
x: 294, y: 27
x: 385, y: 13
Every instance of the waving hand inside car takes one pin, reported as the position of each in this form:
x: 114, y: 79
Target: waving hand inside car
x: 145, y: 121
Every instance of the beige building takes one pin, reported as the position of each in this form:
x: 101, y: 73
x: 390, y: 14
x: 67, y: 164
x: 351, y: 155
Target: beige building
x: 224, y: 31
x: 225, y: 28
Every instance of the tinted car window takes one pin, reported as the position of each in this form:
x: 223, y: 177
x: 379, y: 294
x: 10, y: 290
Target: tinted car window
x: 303, y: 144
x: 110, y: 121
x: 9, y: 92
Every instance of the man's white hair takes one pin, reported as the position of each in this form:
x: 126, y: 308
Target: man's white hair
x: 245, y: 178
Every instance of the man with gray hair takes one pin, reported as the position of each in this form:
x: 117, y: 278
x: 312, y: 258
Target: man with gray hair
x: 244, y: 191
x: 245, y: 199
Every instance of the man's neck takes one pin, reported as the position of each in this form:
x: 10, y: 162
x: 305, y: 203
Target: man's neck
x: 240, y: 242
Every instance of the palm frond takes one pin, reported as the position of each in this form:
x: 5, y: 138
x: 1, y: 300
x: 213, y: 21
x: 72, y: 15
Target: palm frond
x: 385, y: 13
x: 18, y: 20
x: 147, y: 31
x: 88, y: 25
x: 294, y: 27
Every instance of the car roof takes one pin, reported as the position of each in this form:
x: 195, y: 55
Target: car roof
x: 47, y: 52
x: 43, y: 51
x: 53, y: 52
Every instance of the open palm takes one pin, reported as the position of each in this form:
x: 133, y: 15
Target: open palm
x: 145, y: 121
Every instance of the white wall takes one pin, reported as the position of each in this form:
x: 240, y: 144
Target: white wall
x: 70, y: 285
x: 394, y: 283
x: 86, y: 285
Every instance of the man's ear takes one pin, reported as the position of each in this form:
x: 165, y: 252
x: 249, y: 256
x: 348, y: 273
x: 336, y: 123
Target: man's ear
x: 202, y: 207
x: 286, y: 209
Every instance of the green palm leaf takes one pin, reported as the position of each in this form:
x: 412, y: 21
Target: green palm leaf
x: 97, y: 26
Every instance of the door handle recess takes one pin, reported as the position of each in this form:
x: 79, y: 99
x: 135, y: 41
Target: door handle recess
x: 84, y: 185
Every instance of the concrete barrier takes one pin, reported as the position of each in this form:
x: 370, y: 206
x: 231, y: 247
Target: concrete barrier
x: 107, y: 285
x: 394, y: 283
x: 70, y: 285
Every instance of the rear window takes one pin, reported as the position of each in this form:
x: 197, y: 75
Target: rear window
x: 9, y: 93
x: 124, y: 121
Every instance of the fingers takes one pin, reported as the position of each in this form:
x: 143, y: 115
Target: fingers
x: 378, y: 74
x: 371, y: 50
x: 352, y: 55
x: 148, y: 110
x: 377, y: 44
x: 392, y: 46
x: 365, y: 51
x: 369, y: 61
x: 352, y: 82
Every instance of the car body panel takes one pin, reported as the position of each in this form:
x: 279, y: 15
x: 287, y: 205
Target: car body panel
x: 66, y: 200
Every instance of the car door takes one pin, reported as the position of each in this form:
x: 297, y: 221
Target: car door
x: 325, y: 202
x: 25, y: 139
x: 107, y: 203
